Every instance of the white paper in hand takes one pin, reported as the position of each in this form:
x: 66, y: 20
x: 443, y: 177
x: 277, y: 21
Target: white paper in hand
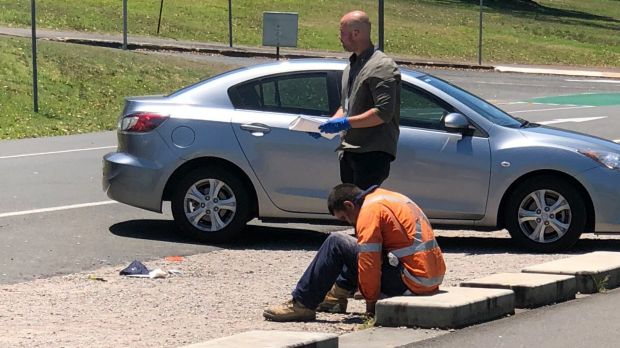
x: 309, y: 124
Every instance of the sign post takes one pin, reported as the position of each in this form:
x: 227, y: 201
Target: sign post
x: 280, y: 30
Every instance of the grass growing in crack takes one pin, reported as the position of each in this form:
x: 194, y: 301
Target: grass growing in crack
x: 368, y: 323
x: 600, y: 283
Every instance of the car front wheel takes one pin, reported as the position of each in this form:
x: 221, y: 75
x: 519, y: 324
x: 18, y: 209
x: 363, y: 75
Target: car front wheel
x: 545, y: 214
x: 211, y: 205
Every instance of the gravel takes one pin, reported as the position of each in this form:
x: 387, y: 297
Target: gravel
x: 215, y: 294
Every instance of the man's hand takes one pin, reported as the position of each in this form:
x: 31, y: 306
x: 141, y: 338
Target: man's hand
x: 370, y: 308
x: 335, y: 125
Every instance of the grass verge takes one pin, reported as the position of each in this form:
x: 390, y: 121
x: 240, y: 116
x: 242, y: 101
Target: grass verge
x: 572, y: 32
x: 81, y: 88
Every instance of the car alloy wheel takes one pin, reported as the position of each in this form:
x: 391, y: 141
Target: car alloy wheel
x: 545, y: 213
x: 544, y: 216
x: 211, y: 204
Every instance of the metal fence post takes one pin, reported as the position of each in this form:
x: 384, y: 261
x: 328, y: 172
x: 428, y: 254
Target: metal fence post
x: 381, y: 13
x: 124, y: 24
x: 161, y: 8
x: 480, y: 37
x: 35, y: 84
x: 230, y: 33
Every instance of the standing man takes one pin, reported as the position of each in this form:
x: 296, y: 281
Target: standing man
x: 395, y: 253
x: 370, y: 107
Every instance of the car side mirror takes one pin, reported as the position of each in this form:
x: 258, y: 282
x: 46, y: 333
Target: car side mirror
x: 455, y: 122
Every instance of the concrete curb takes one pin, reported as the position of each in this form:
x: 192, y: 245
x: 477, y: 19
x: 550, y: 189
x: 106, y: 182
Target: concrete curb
x: 594, y: 272
x: 150, y: 43
x: 272, y: 339
x: 531, y: 289
x: 564, y: 72
x: 451, y: 308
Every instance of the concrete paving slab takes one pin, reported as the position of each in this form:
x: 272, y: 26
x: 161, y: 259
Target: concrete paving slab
x: 531, y: 289
x: 593, y: 271
x: 452, y: 307
x: 381, y: 337
x: 272, y: 339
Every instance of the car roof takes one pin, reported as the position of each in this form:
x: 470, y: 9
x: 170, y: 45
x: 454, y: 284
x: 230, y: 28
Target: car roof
x: 302, y: 64
x: 230, y: 78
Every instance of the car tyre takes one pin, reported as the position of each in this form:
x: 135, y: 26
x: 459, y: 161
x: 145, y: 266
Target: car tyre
x: 211, y: 205
x: 545, y: 214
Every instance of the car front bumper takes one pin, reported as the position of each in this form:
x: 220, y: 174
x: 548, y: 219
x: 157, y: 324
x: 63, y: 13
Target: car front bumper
x: 604, y: 187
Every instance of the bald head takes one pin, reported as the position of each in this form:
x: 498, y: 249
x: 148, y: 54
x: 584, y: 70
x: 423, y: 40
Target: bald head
x: 355, y: 31
x: 357, y: 20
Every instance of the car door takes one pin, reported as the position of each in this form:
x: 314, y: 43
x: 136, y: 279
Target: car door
x: 296, y: 170
x: 447, y: 174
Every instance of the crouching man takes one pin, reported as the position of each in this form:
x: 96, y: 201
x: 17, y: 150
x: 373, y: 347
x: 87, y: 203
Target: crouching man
x: 394, y: 253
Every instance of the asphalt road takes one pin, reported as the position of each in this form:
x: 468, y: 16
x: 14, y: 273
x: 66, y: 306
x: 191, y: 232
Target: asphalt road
x: 586, y: 322
x: 55, y: 219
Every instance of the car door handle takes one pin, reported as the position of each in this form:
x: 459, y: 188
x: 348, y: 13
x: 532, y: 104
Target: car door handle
x: 256, y: 128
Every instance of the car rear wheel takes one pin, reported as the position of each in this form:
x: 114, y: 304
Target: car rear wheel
x: 211, y: 205
x: 545, y: 214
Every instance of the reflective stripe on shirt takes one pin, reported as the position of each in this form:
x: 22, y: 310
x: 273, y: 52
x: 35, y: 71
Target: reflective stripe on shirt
x: 428, y: 282
x: 416, y: 248
x: 370, y: 247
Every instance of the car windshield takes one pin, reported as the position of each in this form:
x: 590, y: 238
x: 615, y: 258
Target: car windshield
x: 486, y: 110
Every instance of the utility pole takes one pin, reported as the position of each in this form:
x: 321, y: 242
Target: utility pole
x: 35, y: 84
x: 381, y: 41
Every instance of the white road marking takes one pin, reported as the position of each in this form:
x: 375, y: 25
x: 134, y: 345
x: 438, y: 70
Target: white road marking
x: 64, y: 207
x: 57, y: 152
x: 511, y: 103
x: 552, y: 109
x: 575, y: 120
x: 508, y: 84
x: 595, y: 81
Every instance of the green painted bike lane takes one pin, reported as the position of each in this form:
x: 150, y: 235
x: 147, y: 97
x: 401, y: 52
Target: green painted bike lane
x: 586, y: 99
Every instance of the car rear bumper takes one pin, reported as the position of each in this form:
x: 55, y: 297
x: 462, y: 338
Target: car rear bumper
x: 604, y: 187
x: 133, y: 181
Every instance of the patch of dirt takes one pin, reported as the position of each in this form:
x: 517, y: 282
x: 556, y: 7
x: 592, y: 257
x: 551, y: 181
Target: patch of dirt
x: 216, y: 294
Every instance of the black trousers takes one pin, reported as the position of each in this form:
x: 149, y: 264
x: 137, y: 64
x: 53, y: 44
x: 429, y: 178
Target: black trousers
x: 365, y: 169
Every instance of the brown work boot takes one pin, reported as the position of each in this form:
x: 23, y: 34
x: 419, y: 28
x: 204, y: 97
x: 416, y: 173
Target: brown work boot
x: 335, y: 301
x: 289, y: 311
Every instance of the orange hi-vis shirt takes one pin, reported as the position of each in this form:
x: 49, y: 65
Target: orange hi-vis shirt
x: 391, y: 223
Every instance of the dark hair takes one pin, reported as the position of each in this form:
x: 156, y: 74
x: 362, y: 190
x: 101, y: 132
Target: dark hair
x: 340, y: 194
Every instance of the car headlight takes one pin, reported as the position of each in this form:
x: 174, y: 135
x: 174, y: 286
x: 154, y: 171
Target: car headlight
x: 610, y: 160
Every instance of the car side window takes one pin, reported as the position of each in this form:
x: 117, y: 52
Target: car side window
x: 296, y: 94
x: 421, y: 109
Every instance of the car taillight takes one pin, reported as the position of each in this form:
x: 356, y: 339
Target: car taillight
x: 141, y: 122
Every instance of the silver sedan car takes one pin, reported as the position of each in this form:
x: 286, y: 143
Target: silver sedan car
x: 221, y: 151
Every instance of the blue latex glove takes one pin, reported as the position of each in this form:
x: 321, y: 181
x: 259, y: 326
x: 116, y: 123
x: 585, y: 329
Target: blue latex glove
x: 335, y: 125
x: 314, y: 135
